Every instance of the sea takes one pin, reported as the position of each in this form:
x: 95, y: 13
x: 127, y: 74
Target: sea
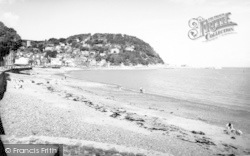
x: 226, y: 87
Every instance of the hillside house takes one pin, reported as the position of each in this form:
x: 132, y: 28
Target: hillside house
x: 85, y: 53
x: 130, y: 48
x: 99, y: 45
x: 49, y: 48
x: 9, y: 59
x: 61, y: 56
x: 28, y: 43
x: 44, y: 61
x: 102, y: 54
x: 114, y: 51
x: 84, y: 59
x: 92, y: 62
x: 77, y: 40
x: 68, y: 49
x: 102, y: 63
x: 62, y: 44
x: 37, y: 62
x: 92, y: 53
x: 36, y: 50
x: 108, y: 45
x: 117, y: 46
x: 37, y: 59
x: 22, y: 61
x: 85, y: 45
x: 56, y: 62
x: 58, y: 48
x: 76, y: 51
x: 70, y: 62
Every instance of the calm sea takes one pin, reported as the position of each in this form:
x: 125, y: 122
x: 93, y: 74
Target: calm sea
x: 226, y: 87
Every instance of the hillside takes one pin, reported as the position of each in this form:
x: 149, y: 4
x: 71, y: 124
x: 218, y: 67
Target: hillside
x: 114, y: 49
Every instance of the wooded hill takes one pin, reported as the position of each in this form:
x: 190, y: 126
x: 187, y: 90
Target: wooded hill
x: 113, y: 48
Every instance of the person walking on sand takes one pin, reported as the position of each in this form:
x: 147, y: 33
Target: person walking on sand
x: 141, y: 90
x: 229, y: 126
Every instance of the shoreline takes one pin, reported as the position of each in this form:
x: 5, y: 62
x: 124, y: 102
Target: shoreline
x: 221, y: 105
x: 192, y: 104
x: 128, y: 111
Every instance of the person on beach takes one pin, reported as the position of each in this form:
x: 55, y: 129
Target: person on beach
x: 141, y: 90
x: 232, y: 130
x: 229, y: 126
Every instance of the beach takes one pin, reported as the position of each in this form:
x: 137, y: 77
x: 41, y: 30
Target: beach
x: 47, y: 105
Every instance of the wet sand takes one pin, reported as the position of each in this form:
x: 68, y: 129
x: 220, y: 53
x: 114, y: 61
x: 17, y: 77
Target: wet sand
x: 45, y: 104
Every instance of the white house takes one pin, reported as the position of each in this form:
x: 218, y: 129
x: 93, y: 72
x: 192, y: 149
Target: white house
x: 49, y: 48
x: 28, y: 44
x: 58, y: 48
x: 130, y: 48
x: 92, y: 62
x: 22, y: 61
x: 102, y: 54
x: 92, y: 53
x: 114, y: 51
x: 56, y: 62
x: 102, y: 63
x: 70, y: 62
x: 85, y: 53
x: 85, y: 45
x: 62, y: 44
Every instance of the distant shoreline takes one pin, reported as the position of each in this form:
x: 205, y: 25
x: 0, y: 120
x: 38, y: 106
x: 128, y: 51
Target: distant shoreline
x: 159, y: 66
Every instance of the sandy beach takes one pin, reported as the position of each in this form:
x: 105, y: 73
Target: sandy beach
x: 47, y: 105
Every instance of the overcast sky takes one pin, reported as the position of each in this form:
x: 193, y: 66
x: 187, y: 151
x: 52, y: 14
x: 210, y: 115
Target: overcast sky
x: 161, y: 23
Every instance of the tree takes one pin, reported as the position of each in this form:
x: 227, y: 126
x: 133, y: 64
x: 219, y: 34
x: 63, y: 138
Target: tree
x: 9, y: 40
x: 40, y: 46
x: 84, y: 48
x: 62, y: 40
x: 98, y: 58
x: 51, y: 54
x: 74, y: 43
x: 54, y: 41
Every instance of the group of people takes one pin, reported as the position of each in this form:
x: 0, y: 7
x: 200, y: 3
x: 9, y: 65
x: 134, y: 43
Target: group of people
x: 231, y: 129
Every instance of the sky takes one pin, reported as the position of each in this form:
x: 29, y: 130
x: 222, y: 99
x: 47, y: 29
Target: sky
x: 161, y: 23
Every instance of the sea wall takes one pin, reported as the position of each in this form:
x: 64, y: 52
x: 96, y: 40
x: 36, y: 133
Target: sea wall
x: 3, y: 84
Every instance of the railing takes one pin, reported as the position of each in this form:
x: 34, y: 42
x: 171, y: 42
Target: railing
x: 7, y: 68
